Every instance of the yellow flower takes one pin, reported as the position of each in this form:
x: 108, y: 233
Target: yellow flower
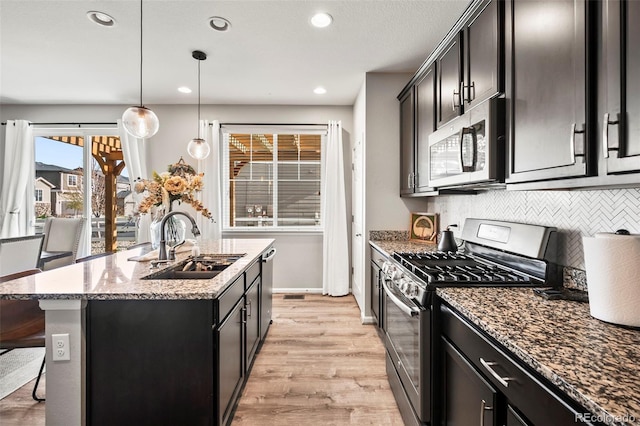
x: 175, y: 185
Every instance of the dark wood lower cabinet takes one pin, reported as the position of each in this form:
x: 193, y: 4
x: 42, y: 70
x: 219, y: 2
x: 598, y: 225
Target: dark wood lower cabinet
x: 468, y: 398
x: 252, y: 320
x: 230, y: 368
x: 483, y: 384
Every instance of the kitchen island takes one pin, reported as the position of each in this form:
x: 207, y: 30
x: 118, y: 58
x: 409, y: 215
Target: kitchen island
x: 68, y: 294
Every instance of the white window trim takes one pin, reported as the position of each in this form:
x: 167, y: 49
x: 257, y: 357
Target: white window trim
x: 224, y: 170
x: 36, y: 192
x: 69, y: 176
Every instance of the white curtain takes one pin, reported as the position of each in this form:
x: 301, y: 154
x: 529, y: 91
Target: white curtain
x: 135, y: 155
x: 212, y: 192
x: 17, y: 206
x: 335, y: 244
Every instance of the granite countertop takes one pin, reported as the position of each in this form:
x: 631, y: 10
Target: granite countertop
x: 390, y: 246
x: 595, y: 363
x: 115, y: 277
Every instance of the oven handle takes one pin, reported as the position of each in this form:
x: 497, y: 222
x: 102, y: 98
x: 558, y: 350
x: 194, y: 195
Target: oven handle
x: 409, y: 310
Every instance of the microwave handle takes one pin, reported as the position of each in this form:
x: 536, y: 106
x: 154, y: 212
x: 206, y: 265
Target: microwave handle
x: 471, y: 130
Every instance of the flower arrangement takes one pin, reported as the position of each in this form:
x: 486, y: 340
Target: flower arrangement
x: 179, y: 183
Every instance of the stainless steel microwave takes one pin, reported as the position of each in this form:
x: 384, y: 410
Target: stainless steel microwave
x: 470, y: 148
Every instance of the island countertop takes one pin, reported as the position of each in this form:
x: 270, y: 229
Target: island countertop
x: 115, y: 277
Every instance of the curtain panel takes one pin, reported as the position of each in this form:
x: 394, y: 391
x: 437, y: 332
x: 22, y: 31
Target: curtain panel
x: 335, y: 246
x: 17, y: 206
x: 134, y: 151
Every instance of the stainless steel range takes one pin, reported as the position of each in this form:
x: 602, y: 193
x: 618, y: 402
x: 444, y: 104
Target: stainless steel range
x: 491, y: 253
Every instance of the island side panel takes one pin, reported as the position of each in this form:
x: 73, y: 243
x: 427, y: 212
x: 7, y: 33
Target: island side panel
x: 148, y: 359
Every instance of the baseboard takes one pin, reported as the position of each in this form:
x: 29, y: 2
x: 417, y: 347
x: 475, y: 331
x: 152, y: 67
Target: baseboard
x: 368, y: 320
x: 298, y: 290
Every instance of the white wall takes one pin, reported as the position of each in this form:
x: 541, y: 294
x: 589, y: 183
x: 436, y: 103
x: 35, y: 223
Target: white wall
x: 384, y: 209
x: 299, y: 262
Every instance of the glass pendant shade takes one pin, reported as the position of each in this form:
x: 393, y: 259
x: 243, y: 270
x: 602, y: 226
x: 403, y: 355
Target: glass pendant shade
x: 140, y: 122
x: 198, y: 148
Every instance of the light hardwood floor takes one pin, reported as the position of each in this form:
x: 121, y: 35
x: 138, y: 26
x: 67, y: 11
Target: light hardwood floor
x: 318, y: 366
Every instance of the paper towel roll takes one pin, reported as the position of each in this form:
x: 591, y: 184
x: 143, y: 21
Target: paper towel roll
x: 613, y: 277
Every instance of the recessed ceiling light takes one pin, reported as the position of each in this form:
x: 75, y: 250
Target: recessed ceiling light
x: 219, y: 23
x: 101, y: 18
x: 184, y: 89
x: 321, y: 20
x: 319, y: 90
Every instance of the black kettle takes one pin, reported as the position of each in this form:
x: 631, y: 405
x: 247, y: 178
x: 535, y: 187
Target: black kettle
x: 447, y: 242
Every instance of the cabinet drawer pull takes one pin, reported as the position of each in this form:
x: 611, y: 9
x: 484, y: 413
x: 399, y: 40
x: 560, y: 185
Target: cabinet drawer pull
x: 504, y: 381
x: 605, y: 134
x: 483, y: 408
x: 249, y: 309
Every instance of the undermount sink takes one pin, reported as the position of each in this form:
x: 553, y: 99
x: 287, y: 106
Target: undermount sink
x: 202, y: 267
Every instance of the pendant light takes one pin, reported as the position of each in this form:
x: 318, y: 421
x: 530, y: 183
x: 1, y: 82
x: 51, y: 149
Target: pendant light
x: 198, y: 148
x: 140, y: 121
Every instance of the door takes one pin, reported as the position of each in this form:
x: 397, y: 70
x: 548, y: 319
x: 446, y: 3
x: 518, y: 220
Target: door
x: 425, y: 118
x: 230, y: 365
x: 252, y: 322
x: 621, y: 121
x: 549, y: 132
x: 449, y: 69
x: 357, y: 241
x: 468, y: 398
x: 407, y: 142
x: 482, y: 58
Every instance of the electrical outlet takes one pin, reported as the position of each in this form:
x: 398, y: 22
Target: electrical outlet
x: 60, y: 347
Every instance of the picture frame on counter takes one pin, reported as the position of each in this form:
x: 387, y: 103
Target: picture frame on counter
x: 424, y: 227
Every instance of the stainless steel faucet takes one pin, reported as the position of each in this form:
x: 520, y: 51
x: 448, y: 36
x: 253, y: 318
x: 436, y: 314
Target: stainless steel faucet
x: 162, y: 249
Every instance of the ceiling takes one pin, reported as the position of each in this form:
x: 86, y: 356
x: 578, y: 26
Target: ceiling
x: 51, y: 53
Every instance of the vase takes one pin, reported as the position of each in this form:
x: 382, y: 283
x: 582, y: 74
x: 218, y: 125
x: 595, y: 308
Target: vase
x: 174, y: 232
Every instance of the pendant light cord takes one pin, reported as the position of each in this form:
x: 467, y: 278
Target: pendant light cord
x: 199, y: 98
x: 141, y: 104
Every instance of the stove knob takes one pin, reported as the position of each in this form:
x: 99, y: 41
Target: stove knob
x: 397, y: 274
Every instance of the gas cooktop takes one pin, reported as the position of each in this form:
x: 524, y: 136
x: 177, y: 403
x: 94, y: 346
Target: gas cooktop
x: 457, y: 269
x: 493, y: 253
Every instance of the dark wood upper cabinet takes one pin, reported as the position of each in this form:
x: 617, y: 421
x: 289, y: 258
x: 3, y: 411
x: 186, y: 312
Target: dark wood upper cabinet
x: 469, y: 67
x: 621, y: 78
x: 483, y: 54
x: 547, y: 60
x: 407, y: 142
x: 425, y: 118
x: 449, y: 82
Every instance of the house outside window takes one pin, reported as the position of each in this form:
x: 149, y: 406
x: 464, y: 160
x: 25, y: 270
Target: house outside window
x: 38, y: 195
x: 72, y: 180
x: 272, y: 180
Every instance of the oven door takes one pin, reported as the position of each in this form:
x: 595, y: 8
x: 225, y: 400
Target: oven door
x: 407, y: 330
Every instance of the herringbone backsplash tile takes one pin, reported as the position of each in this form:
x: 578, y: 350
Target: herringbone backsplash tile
x: 574, y: 213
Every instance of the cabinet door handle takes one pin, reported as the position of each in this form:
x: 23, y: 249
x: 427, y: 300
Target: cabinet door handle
x: 249, y: 309
x: 455, y: 105
x: 504, y: 381
x: 415, y: 180
x: 605, y: 134
x: 409, y: 180
x: 572, y: 143
x: 244, y: 315
x: 483, y: 408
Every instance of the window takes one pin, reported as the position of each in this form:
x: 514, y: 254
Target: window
x: 38, y: 194
x: 72, y: 180
x: 273, y: 179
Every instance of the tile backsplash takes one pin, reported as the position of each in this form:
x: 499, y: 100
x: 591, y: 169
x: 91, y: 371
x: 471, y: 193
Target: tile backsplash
x: 574, y: 213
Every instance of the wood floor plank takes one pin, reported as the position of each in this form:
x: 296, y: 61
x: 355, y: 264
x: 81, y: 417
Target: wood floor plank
x: 318, y: 366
